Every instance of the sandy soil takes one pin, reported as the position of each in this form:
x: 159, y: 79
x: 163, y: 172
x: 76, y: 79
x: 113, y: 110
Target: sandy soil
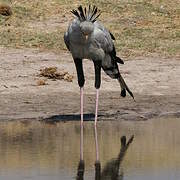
x: 155, y: 83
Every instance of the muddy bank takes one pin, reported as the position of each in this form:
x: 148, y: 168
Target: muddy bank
x: 154, y: 82
x: 65, y: 106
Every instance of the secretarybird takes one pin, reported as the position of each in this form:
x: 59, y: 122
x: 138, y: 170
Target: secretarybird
x: 86, y: 38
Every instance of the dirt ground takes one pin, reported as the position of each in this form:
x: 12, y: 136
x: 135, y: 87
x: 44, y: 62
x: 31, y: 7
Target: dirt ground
x: 155, y: 83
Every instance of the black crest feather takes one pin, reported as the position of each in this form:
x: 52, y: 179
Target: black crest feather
x: 75, y: 13
x: 89, y: 14
x: 81, y: 12
x: 94, y: 11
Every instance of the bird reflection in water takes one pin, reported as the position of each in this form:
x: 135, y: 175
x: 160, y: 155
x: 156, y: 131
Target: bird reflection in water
x: 81, y: 166
x: 111, y: 169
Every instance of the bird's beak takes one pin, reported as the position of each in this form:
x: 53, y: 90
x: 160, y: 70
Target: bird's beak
x: 86, y: 37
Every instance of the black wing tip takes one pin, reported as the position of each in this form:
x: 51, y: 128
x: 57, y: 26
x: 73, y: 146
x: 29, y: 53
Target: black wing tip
x: 131, y: 94
x: 112, y: 36
x: 123, y: 92
x: 119, y: 60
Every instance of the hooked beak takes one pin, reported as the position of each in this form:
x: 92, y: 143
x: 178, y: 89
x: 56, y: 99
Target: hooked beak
x: 86, y: 37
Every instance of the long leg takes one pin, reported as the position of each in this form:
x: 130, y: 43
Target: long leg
x: 97, y: 163
x: 81, y: 165
x: 96, y: 143
x: 97, y: 66
x: 81, y: 80
x: 81, y: 144
x: 80, y: 73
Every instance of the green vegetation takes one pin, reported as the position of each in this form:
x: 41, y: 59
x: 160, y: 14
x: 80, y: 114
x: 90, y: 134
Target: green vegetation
x: 141, y: 27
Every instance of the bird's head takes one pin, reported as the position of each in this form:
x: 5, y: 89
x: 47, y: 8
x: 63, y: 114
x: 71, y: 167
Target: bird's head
x: 86, y: 28
x: 87, y: 17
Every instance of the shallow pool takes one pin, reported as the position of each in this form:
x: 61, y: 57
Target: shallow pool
x: 37, y: 150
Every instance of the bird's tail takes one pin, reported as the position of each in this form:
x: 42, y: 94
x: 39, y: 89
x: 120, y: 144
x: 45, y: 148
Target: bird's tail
x: 110, y: 67
x: 124, y: 87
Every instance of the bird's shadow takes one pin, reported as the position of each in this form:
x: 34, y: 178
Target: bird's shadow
x: 70, y: 117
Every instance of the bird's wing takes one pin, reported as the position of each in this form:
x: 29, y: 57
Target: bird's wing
x: 66, y: 39
x: 109, y: 63
x: 103, y: 37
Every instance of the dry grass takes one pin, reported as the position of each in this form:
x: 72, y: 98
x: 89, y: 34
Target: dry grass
x: 141, y: 27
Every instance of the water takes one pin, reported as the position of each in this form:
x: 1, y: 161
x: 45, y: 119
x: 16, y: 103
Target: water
x: 36, y: 150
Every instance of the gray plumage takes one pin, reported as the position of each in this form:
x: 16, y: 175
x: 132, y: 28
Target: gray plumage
x: 86, y: 38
